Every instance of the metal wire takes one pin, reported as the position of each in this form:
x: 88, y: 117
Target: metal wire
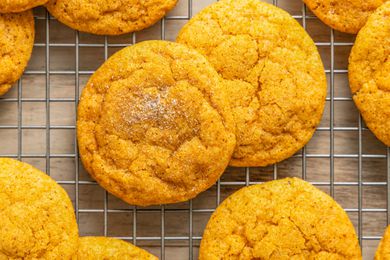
x: 192, y: 240
x: 76, y: 151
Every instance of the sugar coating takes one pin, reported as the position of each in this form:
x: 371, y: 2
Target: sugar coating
x: 16, y: 44
x: 37, y: 219
x: 154, y: 124
x: 347, y: 16
x: 383, y: 251
x: 369, y: 73
x: 99, y: 248
x: 17, y: 6
x: 283, y: 219
x: 108, y: 17
x: 274, y: 76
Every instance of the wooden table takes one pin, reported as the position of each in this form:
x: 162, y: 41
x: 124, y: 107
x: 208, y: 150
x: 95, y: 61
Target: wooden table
x: 37, y: 124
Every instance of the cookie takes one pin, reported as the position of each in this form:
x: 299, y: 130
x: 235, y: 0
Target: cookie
x: 99, y: 248
x: 283, y: 219
x: 274, y: 76
x: 16, y: 44
x: 154, y: 124
x: 345, y: 16
x: 369, y: 73
x: 17, y: 6
x: 107, y: 17
x: 383, y: 251
x: 36, y: 215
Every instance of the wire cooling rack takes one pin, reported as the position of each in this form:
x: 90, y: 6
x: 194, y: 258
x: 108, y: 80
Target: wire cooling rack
x: 37, y: 125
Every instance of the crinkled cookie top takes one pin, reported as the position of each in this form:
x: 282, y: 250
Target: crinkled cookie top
x: 283, y: 219
x: 274, y: 76
x: 37, y: 219
x: 109, y: 17
x: 17, y: 6
x: 155, y: 124
x: 16, y: 44
x: 347, y: 16
x: 99, y: 248
x: 369, y: 73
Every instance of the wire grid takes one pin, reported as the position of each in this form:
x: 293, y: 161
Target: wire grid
x: 160, y: 244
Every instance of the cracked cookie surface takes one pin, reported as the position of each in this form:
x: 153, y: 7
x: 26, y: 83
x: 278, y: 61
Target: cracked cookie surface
x: 283, y: 219
x: 347, y: 16
x: 107, y: 17
x: 36, y: 215
x: 17, y: 6
x: 99, y: 248
x: 274, y: 76
x: 369, y: 73
x: 16, y: 44
x: 154, y: 124
x: 383, y: 251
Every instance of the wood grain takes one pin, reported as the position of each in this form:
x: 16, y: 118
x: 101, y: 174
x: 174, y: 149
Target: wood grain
x: 176, y: 223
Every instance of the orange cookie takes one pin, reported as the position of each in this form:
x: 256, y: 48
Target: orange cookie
x: 16, y: 44
x: 344, y: 15
x: 102, y: 248
x: 37, y: 218
x: 109, y: 17
x: 383, y: 251
x: 154, y: 124
x: 369, y: 73
x: 17, y: 6
x: 274, y: 75
x: 283, y: 219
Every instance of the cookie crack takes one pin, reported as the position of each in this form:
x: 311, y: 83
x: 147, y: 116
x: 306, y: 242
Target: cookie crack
x: 265, y: 59
x: 98, y: 121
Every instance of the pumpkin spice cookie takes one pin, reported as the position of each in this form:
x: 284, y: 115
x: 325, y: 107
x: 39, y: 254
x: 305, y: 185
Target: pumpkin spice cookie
x: 107, y: 17
x: 347, y: 16
x: 383, y: 251
x: 283, y: 219
x: 99, y: 248
x: 369, y: 73
x: 274, y: 76
x: 37, y: 220
x: 16, y: 44
x: 154, y: 124
x: 17, y: 6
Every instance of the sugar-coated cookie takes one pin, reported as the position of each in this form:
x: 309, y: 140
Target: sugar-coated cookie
x: 17, y: 6
x: 383, y: 251
x: 154, y: 124
x: 37, y: 219
x: 369, y: 73
x: 283, y: 219
x: 274, y: 75
x: 16, y: 44
x: 109, y: 17
x: 347, y: 16
x: 100, y: 248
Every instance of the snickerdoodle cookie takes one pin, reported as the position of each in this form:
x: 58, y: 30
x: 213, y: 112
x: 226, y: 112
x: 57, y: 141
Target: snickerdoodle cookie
x: 16, y: 6
x: 16, y: 44
x: 274, y: 76
x: 100, y: 248
x: 383, y: 251
x: 109, y: 17
x: 369, y: 73
x: 283, y: 219
x: 344, y: 15
x: 154, y: 124
x: 37, y: 219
